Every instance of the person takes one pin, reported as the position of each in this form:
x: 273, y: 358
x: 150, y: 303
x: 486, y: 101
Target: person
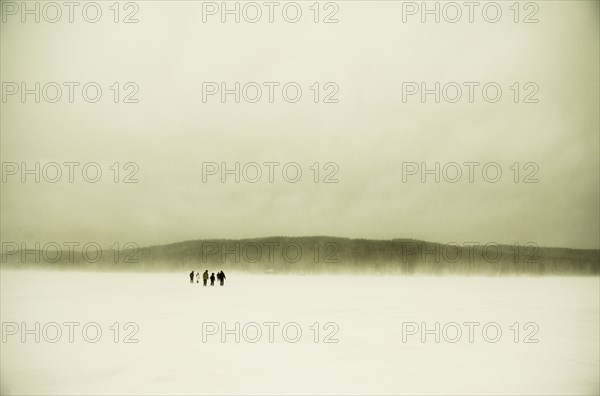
x: 212, y: 279
x: 192, y: 277
x: 197, y: 277
x: 222, y: 278
x: 205, y: 277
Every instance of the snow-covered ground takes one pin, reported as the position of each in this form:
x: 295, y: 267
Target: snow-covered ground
x: 367, y: 316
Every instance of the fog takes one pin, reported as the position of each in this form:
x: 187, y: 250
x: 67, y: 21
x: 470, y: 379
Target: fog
x: 370, y: 133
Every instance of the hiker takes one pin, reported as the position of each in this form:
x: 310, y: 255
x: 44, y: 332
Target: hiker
x: 205, y: 277
x: 212, y: 279
x: 192, y: 277
x: 222, y: 278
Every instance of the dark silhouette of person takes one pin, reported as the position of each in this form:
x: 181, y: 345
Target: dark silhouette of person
x: 222, y: 278
x: 205, y: 277
x: 192, y: 277
x: 212, y: 279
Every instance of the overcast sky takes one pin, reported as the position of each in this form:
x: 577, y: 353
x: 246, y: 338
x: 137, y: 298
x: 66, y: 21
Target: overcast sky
x: 369, y: 134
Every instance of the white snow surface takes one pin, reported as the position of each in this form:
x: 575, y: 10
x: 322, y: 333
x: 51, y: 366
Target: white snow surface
x: 368, y: 313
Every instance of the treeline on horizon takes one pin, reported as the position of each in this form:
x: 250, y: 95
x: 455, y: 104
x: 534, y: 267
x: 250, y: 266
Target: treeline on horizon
x: 322, y: 254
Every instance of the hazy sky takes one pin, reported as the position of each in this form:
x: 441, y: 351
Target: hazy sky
x: 369, y: 134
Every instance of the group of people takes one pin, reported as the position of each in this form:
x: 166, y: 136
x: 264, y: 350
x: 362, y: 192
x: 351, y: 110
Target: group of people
x: 220, y: 277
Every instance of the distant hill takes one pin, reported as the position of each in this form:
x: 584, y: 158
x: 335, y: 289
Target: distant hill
x: 331, y: 255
